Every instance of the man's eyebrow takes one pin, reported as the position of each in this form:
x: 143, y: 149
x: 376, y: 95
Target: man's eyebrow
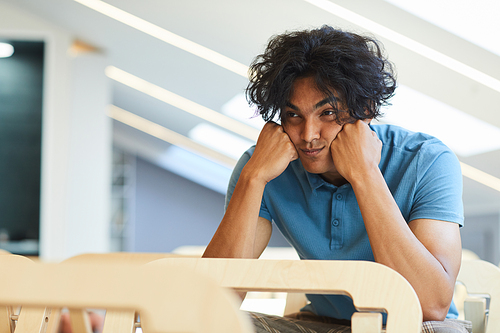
x: 318, y: 105
x: 291, y: 106
x: 327, y: 100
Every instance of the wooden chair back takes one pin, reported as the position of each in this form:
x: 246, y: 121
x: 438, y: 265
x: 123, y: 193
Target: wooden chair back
x: 27, y: 318
x: 481, y: 279
x: 123, y: 321
x: 168, y: 300
x: 373, y: 287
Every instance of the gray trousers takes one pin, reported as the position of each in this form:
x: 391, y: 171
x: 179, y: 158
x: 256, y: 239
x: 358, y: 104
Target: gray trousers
x: 306, y: 322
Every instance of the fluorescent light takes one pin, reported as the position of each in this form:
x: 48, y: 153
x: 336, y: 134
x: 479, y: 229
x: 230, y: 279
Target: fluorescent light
x: 6, y: 50
x: 463, y: 133
x: 181, y: 103
x: 166, y: 36
x: 409, y: 43
x: 220, y: 140
x: 480, y: 176
x: 167, y: 135
x: 480, y: 15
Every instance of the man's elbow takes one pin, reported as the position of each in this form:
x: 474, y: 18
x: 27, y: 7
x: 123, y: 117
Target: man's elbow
x: 435, y: 312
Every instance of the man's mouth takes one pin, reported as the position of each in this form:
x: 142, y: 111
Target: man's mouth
x: 311, y: 152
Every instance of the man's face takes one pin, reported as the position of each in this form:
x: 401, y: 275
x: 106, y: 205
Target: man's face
x: 310, y: 121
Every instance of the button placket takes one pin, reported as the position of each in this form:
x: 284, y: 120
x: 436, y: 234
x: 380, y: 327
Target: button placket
x: 337, y: 237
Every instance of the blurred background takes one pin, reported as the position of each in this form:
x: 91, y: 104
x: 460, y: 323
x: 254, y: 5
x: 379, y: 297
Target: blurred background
x: 120, y: 121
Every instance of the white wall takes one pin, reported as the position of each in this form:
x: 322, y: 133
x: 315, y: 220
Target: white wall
x: 76, y: 141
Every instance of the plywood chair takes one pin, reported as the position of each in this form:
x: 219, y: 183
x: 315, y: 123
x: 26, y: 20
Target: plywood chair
x: 373, y: 287
x: 482, y: 280
x: 169, y: 300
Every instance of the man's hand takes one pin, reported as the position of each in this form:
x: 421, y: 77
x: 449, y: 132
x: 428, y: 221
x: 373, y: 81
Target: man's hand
x: 356, y: 151
x: 273, y: 152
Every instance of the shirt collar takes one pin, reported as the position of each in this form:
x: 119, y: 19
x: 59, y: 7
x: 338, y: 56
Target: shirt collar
x: 315, y: 181
x: 310, y: 182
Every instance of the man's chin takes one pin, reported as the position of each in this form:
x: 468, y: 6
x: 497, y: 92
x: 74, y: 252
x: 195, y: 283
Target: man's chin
x: 313, y: 168
x: 317, y: 167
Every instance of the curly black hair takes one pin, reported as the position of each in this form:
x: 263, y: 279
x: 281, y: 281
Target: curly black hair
x: 343, y: 64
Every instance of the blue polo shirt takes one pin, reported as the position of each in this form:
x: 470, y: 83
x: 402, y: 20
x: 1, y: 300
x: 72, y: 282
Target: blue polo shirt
x: 323, y: 221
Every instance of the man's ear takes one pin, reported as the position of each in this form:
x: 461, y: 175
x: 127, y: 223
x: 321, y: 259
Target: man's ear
x: 367, y: 112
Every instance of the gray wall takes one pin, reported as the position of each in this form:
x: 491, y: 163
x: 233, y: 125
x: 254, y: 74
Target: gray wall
x: 480, y: 234
x: 171, y: 211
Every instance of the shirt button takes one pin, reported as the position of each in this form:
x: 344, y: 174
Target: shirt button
x: 339, y: 196
x: 335, y: 223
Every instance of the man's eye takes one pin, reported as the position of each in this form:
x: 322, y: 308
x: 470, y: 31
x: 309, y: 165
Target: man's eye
x: 291, y: 115
x: 329, y: 113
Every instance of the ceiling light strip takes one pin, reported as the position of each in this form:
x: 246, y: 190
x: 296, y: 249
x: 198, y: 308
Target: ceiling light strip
x: 162, y: 133
x: 409, y: 43
x: 182, y: 103
x: 166, y: 36
x: 6, y: 50
x: 480, y: 176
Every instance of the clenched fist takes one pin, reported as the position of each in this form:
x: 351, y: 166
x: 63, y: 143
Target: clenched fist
x: 273, y: 152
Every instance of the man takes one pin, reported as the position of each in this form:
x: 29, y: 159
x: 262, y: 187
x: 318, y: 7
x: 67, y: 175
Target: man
x: 338, y: 187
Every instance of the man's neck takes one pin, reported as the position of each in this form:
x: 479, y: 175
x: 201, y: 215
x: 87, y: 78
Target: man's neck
x: 336, y: 180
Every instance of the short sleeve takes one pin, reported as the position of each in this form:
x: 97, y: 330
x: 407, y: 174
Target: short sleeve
x: 438, y: 192
x: 234, y: 180
x: 235, y: 175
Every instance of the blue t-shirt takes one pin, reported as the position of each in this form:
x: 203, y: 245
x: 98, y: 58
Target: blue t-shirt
x: 323, y: 221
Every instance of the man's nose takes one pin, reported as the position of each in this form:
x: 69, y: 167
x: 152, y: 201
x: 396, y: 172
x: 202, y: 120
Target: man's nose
x: 310, y: 131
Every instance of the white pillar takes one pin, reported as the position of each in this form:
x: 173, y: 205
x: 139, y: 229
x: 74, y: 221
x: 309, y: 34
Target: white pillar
x: 89, y: 158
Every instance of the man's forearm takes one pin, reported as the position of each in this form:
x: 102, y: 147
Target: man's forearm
x: 394, y: 244
x: 240, y: 234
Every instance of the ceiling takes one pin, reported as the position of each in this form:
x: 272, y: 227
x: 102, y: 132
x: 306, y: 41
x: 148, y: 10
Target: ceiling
x: 240, y: 29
